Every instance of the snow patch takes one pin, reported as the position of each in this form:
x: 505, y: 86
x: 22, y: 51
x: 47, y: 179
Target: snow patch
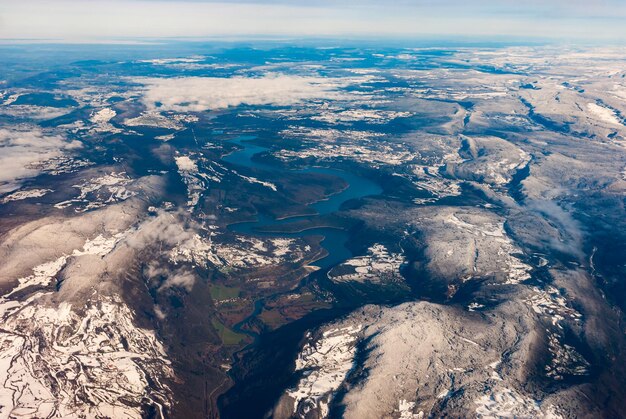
x: 604, y: 114
x: 325, y: 364
x: 25, y: 194
x: 102, y: 116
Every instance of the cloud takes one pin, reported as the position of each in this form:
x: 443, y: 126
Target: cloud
x: 25, y: 153
x: 79, y: 19
x: 173, y: 279
x: 570, y: 239
x: 163, y: 230
x: 153, y: 270
x: 184, y: 280
x: 208, y: 93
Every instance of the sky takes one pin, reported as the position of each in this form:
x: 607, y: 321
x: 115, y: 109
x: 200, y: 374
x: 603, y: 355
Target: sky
x: 582, y: 20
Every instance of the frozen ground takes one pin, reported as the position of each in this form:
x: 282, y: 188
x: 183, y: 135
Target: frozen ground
x: 492, y: 251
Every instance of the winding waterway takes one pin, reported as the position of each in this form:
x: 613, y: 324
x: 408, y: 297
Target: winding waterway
x: 268, y: 368
x: 334, y: 239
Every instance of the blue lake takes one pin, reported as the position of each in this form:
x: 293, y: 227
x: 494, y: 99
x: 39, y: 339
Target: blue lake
x: 334, y: 239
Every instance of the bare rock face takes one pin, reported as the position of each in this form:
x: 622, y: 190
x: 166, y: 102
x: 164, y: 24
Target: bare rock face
x: 422, y: 360
x: 536, y: 355
x: 79, y: 352
x: 412, y: 361
x: 490, y: 160
x: 90, y: 360
x: 464, y: 244
x: 379, y: 267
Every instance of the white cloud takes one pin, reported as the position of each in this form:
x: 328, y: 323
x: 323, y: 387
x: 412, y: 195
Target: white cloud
x: 164, y: 229
x: 24, y: 153
x: 184, y: 280
x: 205, y: 93
x: 185, y: 164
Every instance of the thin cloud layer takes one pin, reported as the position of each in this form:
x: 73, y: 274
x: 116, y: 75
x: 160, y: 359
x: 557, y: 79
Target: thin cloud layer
x: 195, y: 94
x: 184, y: 280
x: 24, y: 154
x: 79, y: 20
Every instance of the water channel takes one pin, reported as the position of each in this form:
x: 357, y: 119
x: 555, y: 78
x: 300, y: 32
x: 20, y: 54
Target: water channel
x: 334, y: 239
